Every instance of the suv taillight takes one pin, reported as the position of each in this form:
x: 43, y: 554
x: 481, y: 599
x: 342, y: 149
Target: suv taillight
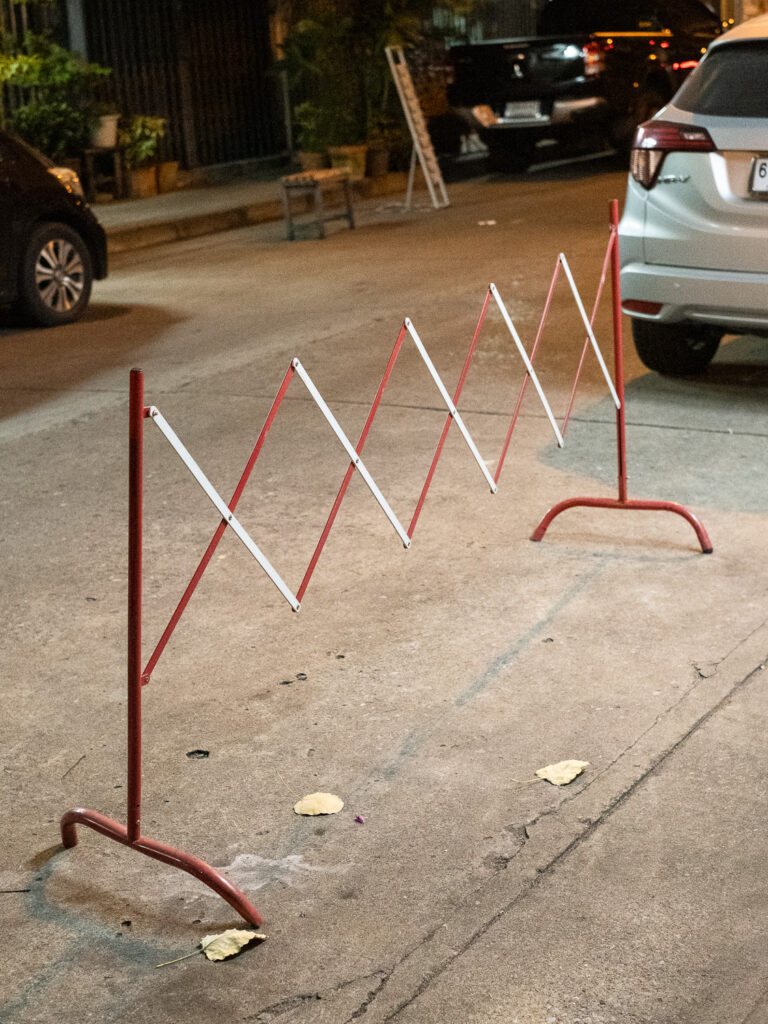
x: 654, y: 139
x: 594, y: 59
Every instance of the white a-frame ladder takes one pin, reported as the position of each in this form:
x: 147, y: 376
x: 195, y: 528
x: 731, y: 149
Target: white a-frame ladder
x: 422, y: 143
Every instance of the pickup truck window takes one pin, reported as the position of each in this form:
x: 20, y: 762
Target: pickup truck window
x: 732, y: 81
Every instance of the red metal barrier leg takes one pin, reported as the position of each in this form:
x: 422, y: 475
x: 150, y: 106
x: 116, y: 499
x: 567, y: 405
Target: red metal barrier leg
x: 130, y: 834
x: 159, y: 851
x: 623, y: 501
x: 638, y: 506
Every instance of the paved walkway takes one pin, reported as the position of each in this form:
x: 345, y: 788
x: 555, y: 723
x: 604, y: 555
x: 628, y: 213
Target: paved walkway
x: 190, y: 212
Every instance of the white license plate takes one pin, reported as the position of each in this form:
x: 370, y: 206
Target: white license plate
x: 759, y: 182
x: 522, y: 110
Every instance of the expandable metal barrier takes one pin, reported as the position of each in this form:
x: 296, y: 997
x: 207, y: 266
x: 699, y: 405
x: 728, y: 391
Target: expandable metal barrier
x: 130, y: 833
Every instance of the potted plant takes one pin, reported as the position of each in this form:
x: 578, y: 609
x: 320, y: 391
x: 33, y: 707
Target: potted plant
x: 317, y: 63
x: 385, y: 138
x: 57, y: 89
x: 313, y: 144
x: 335, y: 54
x: 104, y: 130
x: 138, y: 137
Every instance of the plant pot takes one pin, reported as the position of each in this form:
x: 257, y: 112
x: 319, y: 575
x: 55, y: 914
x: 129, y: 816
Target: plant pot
x: 167, y: 175
x: 351, y: 157
x: 377, y: 163
x: 142, y: 182
x: 104, y: 135
x: 312, y: 161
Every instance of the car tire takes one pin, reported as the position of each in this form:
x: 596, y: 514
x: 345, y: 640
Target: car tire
x: 56, y: 276
x: 676, y: 350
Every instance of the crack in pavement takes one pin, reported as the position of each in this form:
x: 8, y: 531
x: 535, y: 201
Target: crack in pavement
x: 529, y: 886
x: 290, y: 1003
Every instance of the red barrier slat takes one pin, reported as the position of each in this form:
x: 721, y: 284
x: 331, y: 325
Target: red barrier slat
x: 351, y: 468
x: 527, y: 377
x: 449, y: 418
x: 598, y: 297
x: 219, y: 532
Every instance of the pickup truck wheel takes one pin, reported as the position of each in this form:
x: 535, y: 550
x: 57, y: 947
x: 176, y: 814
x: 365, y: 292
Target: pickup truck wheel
x: 511, y: 152
x: 511, y: 159
x: 676, y: 350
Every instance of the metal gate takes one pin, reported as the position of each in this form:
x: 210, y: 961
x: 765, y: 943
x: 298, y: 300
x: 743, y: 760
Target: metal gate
x: 203, y: 65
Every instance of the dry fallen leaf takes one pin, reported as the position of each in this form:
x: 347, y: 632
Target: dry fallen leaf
x: 221, y: 946
x: 228, y: 943
x: 319, y: 803
x: 563, y: 772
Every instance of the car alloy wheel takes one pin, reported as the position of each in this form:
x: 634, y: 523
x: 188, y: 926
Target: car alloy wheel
x: 56, y: 276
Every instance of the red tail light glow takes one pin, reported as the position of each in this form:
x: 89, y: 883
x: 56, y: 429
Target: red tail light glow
x: 654, y: 139
x: 641, y: 306
x: 594, y: 59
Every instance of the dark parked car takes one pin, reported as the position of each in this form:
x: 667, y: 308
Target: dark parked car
x: 596, y: 66
x: 52, y: 245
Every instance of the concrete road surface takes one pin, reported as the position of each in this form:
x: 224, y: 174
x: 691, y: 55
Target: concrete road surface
x: 425, y: 687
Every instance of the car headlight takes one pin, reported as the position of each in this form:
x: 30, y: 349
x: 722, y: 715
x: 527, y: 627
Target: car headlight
x: 68, y: 179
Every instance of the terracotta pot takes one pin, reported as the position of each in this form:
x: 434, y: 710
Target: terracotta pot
x: 167, y: 175
x: 312, y: 161
x: 377, y: 163
x: 351, y: 157
x: 142, y: 182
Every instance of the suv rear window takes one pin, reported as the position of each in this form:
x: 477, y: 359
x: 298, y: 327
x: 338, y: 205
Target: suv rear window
x: 732, y: 81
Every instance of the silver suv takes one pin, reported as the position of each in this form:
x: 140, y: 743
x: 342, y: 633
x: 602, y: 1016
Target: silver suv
x: 694, y: 233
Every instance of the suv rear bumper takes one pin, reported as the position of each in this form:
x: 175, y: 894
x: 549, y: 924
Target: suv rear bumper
x: 734, y: 300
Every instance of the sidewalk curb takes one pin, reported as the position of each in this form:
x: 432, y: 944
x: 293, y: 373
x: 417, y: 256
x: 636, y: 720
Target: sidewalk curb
x: 140, y: 236
x: 239, y: 215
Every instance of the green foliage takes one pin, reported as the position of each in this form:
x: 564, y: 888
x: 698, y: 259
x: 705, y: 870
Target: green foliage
x: 139, y: 136
x: 49, y: 68
x: 55, y: 128
x: 334, y: 57
x: 58, y: 88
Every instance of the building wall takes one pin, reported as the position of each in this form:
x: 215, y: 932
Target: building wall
x: 201, y: 64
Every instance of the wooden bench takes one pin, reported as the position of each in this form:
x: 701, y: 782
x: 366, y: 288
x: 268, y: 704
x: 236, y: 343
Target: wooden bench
x: 315, y: 185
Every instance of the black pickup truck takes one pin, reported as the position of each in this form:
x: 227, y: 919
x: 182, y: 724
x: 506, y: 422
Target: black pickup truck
x: 597, y: 68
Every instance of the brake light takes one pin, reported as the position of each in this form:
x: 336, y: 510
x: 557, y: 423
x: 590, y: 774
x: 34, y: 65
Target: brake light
x: 594, y: 59
x: 654, y: 139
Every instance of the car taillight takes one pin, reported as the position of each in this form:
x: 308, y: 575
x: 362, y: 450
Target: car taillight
x: 594, y: 59
x: 654, y: 139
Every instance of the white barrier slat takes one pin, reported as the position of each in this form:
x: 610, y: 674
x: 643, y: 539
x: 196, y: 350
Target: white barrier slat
x: 590, y: 332
x: 528, y: 364
x: 221, y: 506
x: 449, y: 403
x: 354, y: 457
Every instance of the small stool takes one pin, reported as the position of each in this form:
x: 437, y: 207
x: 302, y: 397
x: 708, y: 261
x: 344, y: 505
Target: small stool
x: 314, y: 184
x: 91, y: 156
